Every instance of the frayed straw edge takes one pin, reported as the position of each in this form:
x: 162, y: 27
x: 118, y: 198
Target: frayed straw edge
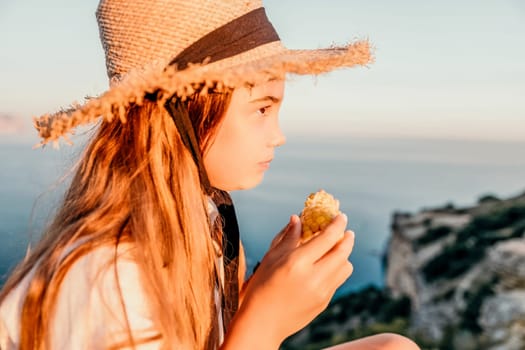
x: 198, y: 77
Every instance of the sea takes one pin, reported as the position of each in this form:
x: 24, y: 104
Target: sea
x: 371, y: 177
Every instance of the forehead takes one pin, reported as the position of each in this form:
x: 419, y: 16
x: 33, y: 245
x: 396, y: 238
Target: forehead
x: 274, y: 88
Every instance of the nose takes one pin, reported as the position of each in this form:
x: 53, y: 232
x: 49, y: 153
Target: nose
x: 278, y: 137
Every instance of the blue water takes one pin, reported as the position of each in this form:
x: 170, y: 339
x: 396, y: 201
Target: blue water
x: 371, y: 177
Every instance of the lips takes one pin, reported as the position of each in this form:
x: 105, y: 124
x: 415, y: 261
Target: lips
x: 266, y: 164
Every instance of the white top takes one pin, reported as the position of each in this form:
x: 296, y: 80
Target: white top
x: 88, y: 310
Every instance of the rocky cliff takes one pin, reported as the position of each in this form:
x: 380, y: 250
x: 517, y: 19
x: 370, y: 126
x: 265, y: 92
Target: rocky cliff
x: 463, y: 271
x: 454, y: 279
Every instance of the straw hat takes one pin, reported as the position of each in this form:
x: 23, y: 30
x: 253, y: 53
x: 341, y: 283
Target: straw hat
x: 178, y: 47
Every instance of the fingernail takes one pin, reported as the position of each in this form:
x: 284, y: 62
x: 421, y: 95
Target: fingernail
x: 345, y: 218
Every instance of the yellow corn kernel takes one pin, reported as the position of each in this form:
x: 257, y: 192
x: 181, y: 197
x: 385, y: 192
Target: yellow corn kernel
x: 319, y: 210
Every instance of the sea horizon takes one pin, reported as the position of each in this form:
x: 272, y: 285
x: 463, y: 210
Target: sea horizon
x: 372, y: 178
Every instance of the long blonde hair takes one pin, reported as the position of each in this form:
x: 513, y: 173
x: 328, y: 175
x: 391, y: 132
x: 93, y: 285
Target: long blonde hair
x: 136, y: 182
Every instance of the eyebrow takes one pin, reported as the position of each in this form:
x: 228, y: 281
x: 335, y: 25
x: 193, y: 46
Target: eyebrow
x: 273, y: 99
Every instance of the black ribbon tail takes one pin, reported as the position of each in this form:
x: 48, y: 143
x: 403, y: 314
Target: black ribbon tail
x: 179, y: 113
x: 231, y: 249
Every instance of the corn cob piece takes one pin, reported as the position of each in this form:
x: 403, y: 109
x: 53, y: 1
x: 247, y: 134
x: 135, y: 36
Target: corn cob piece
x: 319, y: 210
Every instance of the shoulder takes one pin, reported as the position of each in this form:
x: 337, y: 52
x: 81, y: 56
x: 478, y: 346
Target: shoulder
x: 10, y: 311
x: 100, y: 292
x: 100, y: 297
x: 100, y: 272
x: 102, y: 268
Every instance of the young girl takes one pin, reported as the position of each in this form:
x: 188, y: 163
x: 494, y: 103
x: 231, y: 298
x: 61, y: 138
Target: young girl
x: 144, y: 251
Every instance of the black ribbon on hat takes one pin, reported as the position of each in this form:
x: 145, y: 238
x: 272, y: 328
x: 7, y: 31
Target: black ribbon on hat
x: 240, y: 35
x: 235, y: 37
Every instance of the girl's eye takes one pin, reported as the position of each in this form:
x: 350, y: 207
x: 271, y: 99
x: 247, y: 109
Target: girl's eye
x: 263, y: 111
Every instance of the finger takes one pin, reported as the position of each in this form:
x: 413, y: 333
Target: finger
x: 341, y: 275
x: 292, y: 237
x: 338, y: 255
x: 281, y: 234
x: 321, y: 243
x: 334, y: 279
x: 334, y: 268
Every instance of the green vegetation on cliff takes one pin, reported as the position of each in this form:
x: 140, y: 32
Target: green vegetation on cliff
x: 471, y: 242
x: 371, y: 309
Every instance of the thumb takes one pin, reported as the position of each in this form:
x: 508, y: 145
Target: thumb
x: 279, y: 237
x: 292, y: 236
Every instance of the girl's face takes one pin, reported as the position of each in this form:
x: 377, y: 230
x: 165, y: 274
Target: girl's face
x: 243, y: 146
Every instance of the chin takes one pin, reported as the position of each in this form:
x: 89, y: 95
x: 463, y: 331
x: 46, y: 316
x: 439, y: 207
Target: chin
x: 247, y: 184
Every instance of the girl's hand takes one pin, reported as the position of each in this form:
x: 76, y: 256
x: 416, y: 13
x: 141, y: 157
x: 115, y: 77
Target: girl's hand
x: 274, y: 242
x: 294, y: 281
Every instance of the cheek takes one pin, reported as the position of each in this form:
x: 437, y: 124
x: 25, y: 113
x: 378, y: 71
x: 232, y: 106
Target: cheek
x: 222, y: 161
x: 231, y: 163
x: 213, y: 160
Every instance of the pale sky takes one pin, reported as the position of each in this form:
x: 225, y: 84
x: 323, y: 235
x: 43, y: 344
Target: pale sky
x: 444, y: 69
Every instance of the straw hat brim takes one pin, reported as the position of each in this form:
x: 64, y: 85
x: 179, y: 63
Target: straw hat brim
x: 250, y: 68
